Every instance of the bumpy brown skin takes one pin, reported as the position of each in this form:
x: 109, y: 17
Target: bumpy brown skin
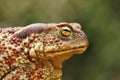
x: 37, y: 51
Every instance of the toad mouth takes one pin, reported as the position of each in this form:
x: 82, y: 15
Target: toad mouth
x: 78, y: 50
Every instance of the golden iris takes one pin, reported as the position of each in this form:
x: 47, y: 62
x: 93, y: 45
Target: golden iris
x: 66, y: 32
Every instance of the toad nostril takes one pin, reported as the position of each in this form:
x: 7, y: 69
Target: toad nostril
x: 81, y: 34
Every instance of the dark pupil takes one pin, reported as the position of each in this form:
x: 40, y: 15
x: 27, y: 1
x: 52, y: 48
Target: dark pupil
x: 66, y: 30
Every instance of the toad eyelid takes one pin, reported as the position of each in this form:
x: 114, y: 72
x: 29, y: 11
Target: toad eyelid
x: 64, y: 25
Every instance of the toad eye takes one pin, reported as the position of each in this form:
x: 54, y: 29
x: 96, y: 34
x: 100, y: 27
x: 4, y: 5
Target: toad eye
x: 65, y: 33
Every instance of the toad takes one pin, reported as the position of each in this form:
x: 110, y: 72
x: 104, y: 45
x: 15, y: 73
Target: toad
x: 37, y: 51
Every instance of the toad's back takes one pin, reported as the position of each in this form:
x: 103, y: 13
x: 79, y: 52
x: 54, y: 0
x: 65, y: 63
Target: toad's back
x: 37, y: 51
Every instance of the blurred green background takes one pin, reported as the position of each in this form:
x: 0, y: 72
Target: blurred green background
x: 100, y: 19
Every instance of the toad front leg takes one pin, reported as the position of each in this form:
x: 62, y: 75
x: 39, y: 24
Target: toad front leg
x: 33, y: 71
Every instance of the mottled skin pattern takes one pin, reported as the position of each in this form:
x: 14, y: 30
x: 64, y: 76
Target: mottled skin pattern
x: 37, y: 51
